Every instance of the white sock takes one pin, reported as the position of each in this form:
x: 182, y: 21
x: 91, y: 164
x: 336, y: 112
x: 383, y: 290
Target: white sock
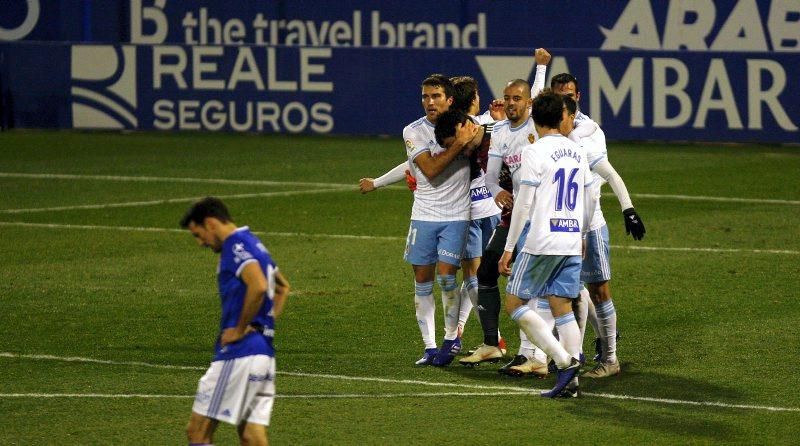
x: 537, y: 330
x: 582, y: 311
x: 451, y: 303
x: 607, y: 317
x: 426, y: 312
x: 526, y: 347
x: 592, y: 317
x: 540, y: 356
x: 543, y: 310
x: 469, y: 301
x: 569, y: 334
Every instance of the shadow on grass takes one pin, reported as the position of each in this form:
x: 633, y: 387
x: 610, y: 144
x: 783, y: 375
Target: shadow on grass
x: 653, y: 416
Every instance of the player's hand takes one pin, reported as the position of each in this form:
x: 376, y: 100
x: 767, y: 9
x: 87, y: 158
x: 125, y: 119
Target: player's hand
x: 465, y: 133
x: 366, y: 185
x: 411, y: 181
x: 633, y: 224
x: 504, y: 200
x: 541, y: 56
x: 497, y: 109
x: 504, y: 265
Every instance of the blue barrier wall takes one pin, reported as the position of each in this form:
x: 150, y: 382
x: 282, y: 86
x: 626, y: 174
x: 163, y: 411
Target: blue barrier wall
x: 709, y: 71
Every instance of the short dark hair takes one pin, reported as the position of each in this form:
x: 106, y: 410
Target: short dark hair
x: 563, y: 79
x: 547, y: 109
x: 570, y: 104
x: 446, y: 125
x: 526, y: 87
x: 465, y: 90
x: 442, y: 81
x: 207, y: 207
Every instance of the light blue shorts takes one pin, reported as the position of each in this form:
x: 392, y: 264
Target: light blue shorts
x: 429, y: 242
x: 480, y: 231
x: 536, y: 276
x: 596, y: 262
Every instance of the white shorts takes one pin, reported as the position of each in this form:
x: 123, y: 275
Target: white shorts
x: 237, y: 390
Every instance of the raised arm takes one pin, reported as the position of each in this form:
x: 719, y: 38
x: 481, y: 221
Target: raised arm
x: 542, y: 59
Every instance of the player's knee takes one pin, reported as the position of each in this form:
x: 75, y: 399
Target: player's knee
x: 512, y: 304
x: 488, y: 275
x: 599, y: 292
x: 253, y: 435
x: 447, y: 282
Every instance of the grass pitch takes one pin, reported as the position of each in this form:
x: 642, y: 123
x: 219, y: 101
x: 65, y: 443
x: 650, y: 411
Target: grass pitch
x: 108, y: 310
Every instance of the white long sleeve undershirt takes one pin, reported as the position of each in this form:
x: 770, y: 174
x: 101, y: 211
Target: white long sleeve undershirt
x: 395, y: 175
x: 608, y: 173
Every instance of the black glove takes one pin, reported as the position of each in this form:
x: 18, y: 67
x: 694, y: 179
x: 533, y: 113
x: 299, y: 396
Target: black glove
x: 633, y: 224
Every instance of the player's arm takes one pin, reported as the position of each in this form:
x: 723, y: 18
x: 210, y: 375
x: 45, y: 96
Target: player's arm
x: 256, y: 283
x: 633, y: 223
x: 281, y: 293
x: 519, y: 216
x: 591, y: 198
x: 502, y: 197
x: 542, y: 58
x: 431, y: 166
x: 583, y: 129
x: 395, y: 175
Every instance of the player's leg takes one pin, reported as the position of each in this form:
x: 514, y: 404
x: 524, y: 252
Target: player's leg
x: 468, y: 290
x: 581, y: 309
x: 421, y: 253
x: 252, y: 434
x: 200, y: 429
x: 452, y: 238
x: 607, y: 322
x: 258, y: 402
x: 597, y: 273
x: 527, y: 276
x: 489, y: 301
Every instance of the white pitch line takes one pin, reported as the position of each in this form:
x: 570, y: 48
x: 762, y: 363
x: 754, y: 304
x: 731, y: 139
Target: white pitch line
x: 338, y: 185
x: 293, y: 396
x: 145, y: 179
x: 165, y: 201
x: 371, y: 237
x: 722, y: 199
x: 504, y: 390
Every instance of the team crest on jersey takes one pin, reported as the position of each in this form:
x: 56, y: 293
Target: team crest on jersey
x: 531, y: 138
x: 240, y: 253
x: 409, y: 145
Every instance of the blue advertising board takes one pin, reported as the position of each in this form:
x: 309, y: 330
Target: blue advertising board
x: 649, y: 70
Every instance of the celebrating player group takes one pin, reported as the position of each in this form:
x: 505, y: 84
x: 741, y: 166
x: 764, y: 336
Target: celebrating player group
x: 513, y: 191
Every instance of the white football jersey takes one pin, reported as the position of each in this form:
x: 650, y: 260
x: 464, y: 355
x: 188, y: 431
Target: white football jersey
x: 446, y: 197
x: 508, y: 142
x: 558, y: 169
x: 483, y: 204
x: 596, y: 151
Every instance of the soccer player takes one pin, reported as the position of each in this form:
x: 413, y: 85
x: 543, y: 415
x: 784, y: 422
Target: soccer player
x: 483, y: 212
x: 596, y: 269
x: 555, y: 186
x: 439, y: 218
x: 239, y: 386
x: 481, y: 227
x: 508, y: 140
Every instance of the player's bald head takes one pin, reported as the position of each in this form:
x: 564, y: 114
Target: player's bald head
x: 522, y: 85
